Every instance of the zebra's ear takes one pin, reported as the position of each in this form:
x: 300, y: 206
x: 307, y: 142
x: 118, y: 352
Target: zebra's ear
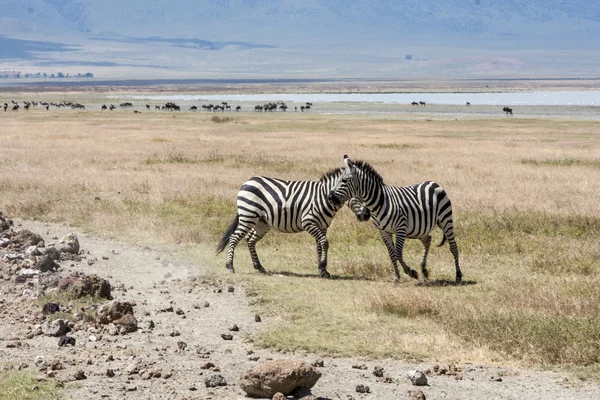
x: 348, y: 161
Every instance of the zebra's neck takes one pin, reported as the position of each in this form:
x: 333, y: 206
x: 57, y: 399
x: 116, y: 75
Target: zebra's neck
x: 373, y: 195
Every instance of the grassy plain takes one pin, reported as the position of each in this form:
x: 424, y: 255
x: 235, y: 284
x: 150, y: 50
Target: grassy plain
x: 524, y: 191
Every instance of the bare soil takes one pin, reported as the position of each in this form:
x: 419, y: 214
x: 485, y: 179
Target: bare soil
x: 184, y: 340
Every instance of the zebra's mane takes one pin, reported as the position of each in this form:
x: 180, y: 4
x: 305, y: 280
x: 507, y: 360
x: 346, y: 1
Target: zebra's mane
x: 332, y: 173
x: 369, y: 170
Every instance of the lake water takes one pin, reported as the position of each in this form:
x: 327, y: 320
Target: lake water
x: 537, y: 98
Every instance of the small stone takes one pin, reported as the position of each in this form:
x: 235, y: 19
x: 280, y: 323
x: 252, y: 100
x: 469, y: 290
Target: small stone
x: 54, y: 328
x: 360, y: 366
x: 206, y: 304
x: 39, y: 361
x: 230, y: 289
x: 110, y: 372
x: 214, y: 381
x: 279, y: 396
x: 495, y: 379
x: 362, y: 389
x: 179, y: 311
x: 234, y: 328
x: 318, y: 363
x: 79, y: 375
x: 257, y: 318
x: 378, y: 371
x: 181, y: 345
x: 253, y: 358
x: 416, y: 394
x: 226, y: 336
x: 417, y: 378
x: 66, y: 341
x: 207, y: 365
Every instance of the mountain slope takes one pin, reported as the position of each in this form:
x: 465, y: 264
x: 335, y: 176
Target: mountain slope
x: 287, y: 35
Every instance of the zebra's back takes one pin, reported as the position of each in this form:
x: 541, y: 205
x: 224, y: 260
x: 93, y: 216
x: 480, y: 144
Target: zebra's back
x: 420, y: 207
x: 280, y: 204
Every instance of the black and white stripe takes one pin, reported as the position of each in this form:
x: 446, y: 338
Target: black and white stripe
x: 407, y: 212
x: 286, y: 206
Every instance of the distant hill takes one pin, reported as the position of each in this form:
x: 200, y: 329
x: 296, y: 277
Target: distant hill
x: 303, y: 38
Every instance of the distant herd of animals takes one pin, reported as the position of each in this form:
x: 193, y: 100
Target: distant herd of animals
x: 408, y: 212
x: 171, y: 106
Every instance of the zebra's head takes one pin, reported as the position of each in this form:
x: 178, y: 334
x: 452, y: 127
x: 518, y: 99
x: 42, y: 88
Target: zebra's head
x: 359, y: 209
x: 346, y: 186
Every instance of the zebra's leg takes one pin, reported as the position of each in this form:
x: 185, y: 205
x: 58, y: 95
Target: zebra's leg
x: 259, y: 231
x: 400, y: 235
x: 320, y: 236
x: 448, y: 230
x: 426, y: 244
x: 389, y: 243
x: 244, y: 227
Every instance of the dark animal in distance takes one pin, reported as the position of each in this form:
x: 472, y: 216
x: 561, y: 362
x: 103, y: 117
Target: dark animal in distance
x: 468, y: 104
x: 508, y: 111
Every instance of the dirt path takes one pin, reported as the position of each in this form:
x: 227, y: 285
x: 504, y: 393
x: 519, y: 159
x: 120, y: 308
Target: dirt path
x: 181, y: 342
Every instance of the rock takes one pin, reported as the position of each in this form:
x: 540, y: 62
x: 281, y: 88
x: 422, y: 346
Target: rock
x: 25, y: 238
x: 132, y: 369
x: 49, y: 252
x: 66, y: 341
x: 45, y: 264
x: 417, y: 377
x: 215, y: 380
x: 279, y: 396
x: 257, y: 318
x: 27, y: 293
x: 181, y: 345
x: 79, y: 375
x: 318, y: 363
x: 226, y: 336
x: 48, y: 279
x: 378, y: 371
x: 113, y: 311
x: 416, y: 394
x: 230, y: 289
x: 362, y: 389
x: 234, y: 328
x: 40, y: 361
x: 360, y: 366
x: 25, y: 274
x: 69, y: 244
x: 110, y: 372
x: 285, y: 375
x: 126, y: 324
x: 54, y: 328
x: 50, y: 308
x: 87, y: 285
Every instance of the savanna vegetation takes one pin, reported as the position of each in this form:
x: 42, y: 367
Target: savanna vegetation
x: 524, y: 193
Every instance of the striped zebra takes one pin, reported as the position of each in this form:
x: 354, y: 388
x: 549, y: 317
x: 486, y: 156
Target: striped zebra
x: 286, y: 206
x: 408, y: 212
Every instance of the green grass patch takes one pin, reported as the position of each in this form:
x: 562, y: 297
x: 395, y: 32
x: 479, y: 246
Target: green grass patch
x: 24, y: 386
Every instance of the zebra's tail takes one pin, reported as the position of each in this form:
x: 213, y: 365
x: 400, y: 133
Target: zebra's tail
x: 228, y: 233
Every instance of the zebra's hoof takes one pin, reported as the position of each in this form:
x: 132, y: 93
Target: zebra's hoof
x: 324, y: 274
x: 414, y: 274
x: 261, y: 270
x: 231, y: 270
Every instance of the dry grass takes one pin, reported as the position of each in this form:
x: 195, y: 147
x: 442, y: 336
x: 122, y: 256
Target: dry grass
x: 525, y: 201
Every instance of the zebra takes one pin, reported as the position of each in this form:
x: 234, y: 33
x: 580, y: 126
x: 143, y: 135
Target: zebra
x: 286, y: 206
x: 408, y: 212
